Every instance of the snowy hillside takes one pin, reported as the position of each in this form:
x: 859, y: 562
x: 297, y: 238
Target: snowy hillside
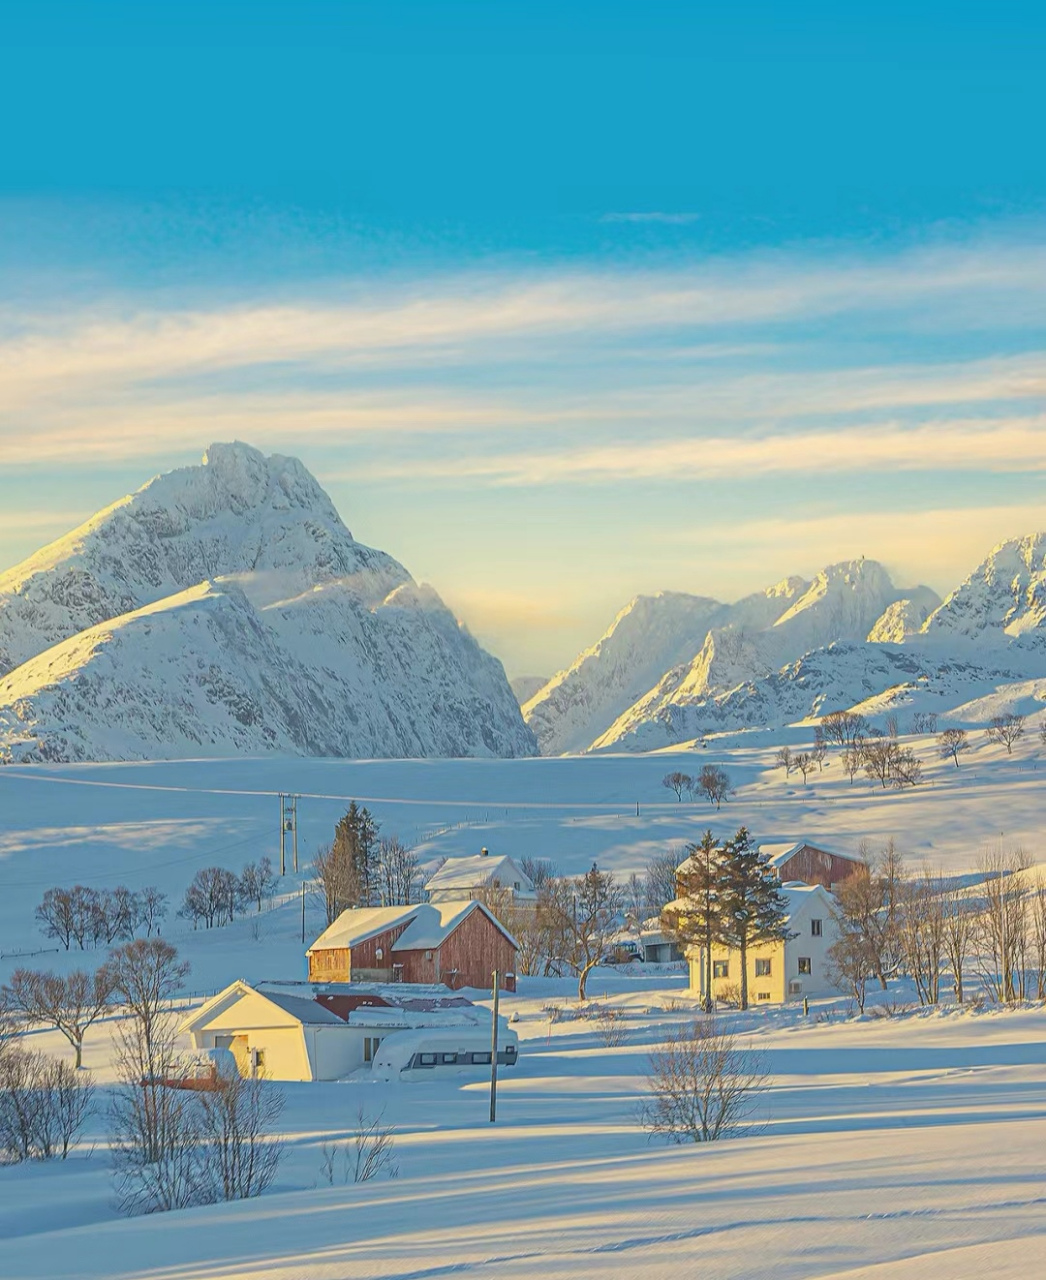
x: 225, y: 609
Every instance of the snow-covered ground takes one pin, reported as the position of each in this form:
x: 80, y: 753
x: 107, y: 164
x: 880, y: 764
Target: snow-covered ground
x: 898, y: 1147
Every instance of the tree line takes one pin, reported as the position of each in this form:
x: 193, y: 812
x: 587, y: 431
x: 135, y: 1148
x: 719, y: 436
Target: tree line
x: 922, y: 925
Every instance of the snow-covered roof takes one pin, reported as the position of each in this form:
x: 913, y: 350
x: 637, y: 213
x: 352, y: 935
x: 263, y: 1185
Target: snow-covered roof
x: 300, y: 1007
x: 359, y: 923
x: 475, y: 871
x: 429, y: 924
x: 799, y: 895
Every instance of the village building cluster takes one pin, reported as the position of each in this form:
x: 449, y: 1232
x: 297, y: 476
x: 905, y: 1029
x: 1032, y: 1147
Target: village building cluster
x: 383, y: 986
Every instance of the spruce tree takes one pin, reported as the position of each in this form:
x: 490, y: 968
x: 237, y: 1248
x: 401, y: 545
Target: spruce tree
x: 695, y: 917
x: 355, y: 855
x: 752, y: 907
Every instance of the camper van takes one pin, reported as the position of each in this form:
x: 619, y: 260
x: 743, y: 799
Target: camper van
x: 429, y: 1053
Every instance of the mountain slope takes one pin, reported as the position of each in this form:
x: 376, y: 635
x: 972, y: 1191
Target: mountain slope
x: 648, y: 636
x: 305, y: 642
x: 842, y: 603
x: 1005, y: 593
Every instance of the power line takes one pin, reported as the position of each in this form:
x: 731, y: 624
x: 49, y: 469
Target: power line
x: 624, y: 807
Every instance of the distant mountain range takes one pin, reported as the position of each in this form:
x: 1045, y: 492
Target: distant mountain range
x: 673, y: 667
x: 226, y: 609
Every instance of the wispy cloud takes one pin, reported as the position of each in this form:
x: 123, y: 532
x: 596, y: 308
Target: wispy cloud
x: 665, y: 219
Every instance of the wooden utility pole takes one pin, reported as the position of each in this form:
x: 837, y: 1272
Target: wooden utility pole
x: 288, y: 822
x: 494, y: 1050
x: 303, y: 913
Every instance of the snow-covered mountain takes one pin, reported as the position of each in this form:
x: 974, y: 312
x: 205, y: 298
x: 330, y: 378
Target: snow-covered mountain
x: 648, y: 636
x: 1005, y: 593
x: 226, y: 608
x: 722, y: 646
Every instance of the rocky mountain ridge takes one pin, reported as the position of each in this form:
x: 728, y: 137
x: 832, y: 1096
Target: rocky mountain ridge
x: 224, y: 609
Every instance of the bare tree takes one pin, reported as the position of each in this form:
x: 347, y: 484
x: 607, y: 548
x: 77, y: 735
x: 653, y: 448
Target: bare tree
x: 211, y: 897
x: 715, y: 784
x: 634, y: 898
x: 703, y: 1084
x: 660, y: 880
x: 373, y: 1147
x: 952, y: 743
x: 960, y: 925
x: 820, y: 748
x: 1002, y: 931
x: 585, y: 911
x: 851, y: 963
x: 853, y: 759
x: 783, y: 760
x: 803, y: 761
x: 146, y: 974
x: 154, y: 909
x: 70, y: 1004
x: 867, y: 908
x: 893, y: 727
x: 677, y: 782
x: 921, y: 929
x: 398, y: 873
x: 1042, y: 732
x: 538, y: 870
x: 55, y: 916
x: 1037, y: 914
x: 43, y: 1105
x: 332, y: 872
x: 1006, y: 729
x: 241, y: 1156
x: 843, y: 727
x: 257, y: 882
x: 907, y: 768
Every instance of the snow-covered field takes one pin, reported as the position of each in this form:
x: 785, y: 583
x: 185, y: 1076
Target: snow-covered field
x: 898, y: 1147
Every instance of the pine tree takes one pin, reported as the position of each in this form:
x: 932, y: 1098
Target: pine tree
x: 751, y: 905
x: 695, y: 917
x: 355, y: 854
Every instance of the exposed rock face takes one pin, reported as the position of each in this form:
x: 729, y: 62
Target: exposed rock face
x: 226, y: 608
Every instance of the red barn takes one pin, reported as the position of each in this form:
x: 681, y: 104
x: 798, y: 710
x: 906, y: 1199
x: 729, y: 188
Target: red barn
x: 457, y: 943
x: 814, y: 865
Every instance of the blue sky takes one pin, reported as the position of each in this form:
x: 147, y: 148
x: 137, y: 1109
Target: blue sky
x: 561, y: 302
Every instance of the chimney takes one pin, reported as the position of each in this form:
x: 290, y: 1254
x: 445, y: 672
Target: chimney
x: 484, y: 853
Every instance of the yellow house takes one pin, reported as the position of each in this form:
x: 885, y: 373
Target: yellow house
x: 777, y: 971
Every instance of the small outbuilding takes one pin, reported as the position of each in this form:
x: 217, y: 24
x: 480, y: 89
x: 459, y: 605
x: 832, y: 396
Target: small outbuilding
x: 458, y: 943
x: 478, y: 876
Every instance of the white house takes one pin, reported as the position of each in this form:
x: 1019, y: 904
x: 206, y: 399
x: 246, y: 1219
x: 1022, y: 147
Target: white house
x: 307, y: 1032
x: 778, y: 971
x: 476, y: 876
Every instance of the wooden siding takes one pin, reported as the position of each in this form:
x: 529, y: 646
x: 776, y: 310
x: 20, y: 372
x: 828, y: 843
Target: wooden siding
x: 341, y: 964
x: 812, y: 865
x: 473, y: 951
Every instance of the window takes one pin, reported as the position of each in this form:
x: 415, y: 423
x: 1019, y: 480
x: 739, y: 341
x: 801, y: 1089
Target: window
x: 815, y: 928
x: 449, y: 1059
x: 515, y: 885
x: 804, y: 965
x: 720, y: 968
x: 795, y: 987
x: 762, y: 968
x: 762, y: 995
x: 481, y: 1059
x: 426, y: 1059
x: 370, y: 1047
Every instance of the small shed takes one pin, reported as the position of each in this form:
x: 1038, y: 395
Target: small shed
x: 458, y: 943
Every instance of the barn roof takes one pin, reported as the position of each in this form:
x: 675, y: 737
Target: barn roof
x: 468, y: 873
x: 429, y: 924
